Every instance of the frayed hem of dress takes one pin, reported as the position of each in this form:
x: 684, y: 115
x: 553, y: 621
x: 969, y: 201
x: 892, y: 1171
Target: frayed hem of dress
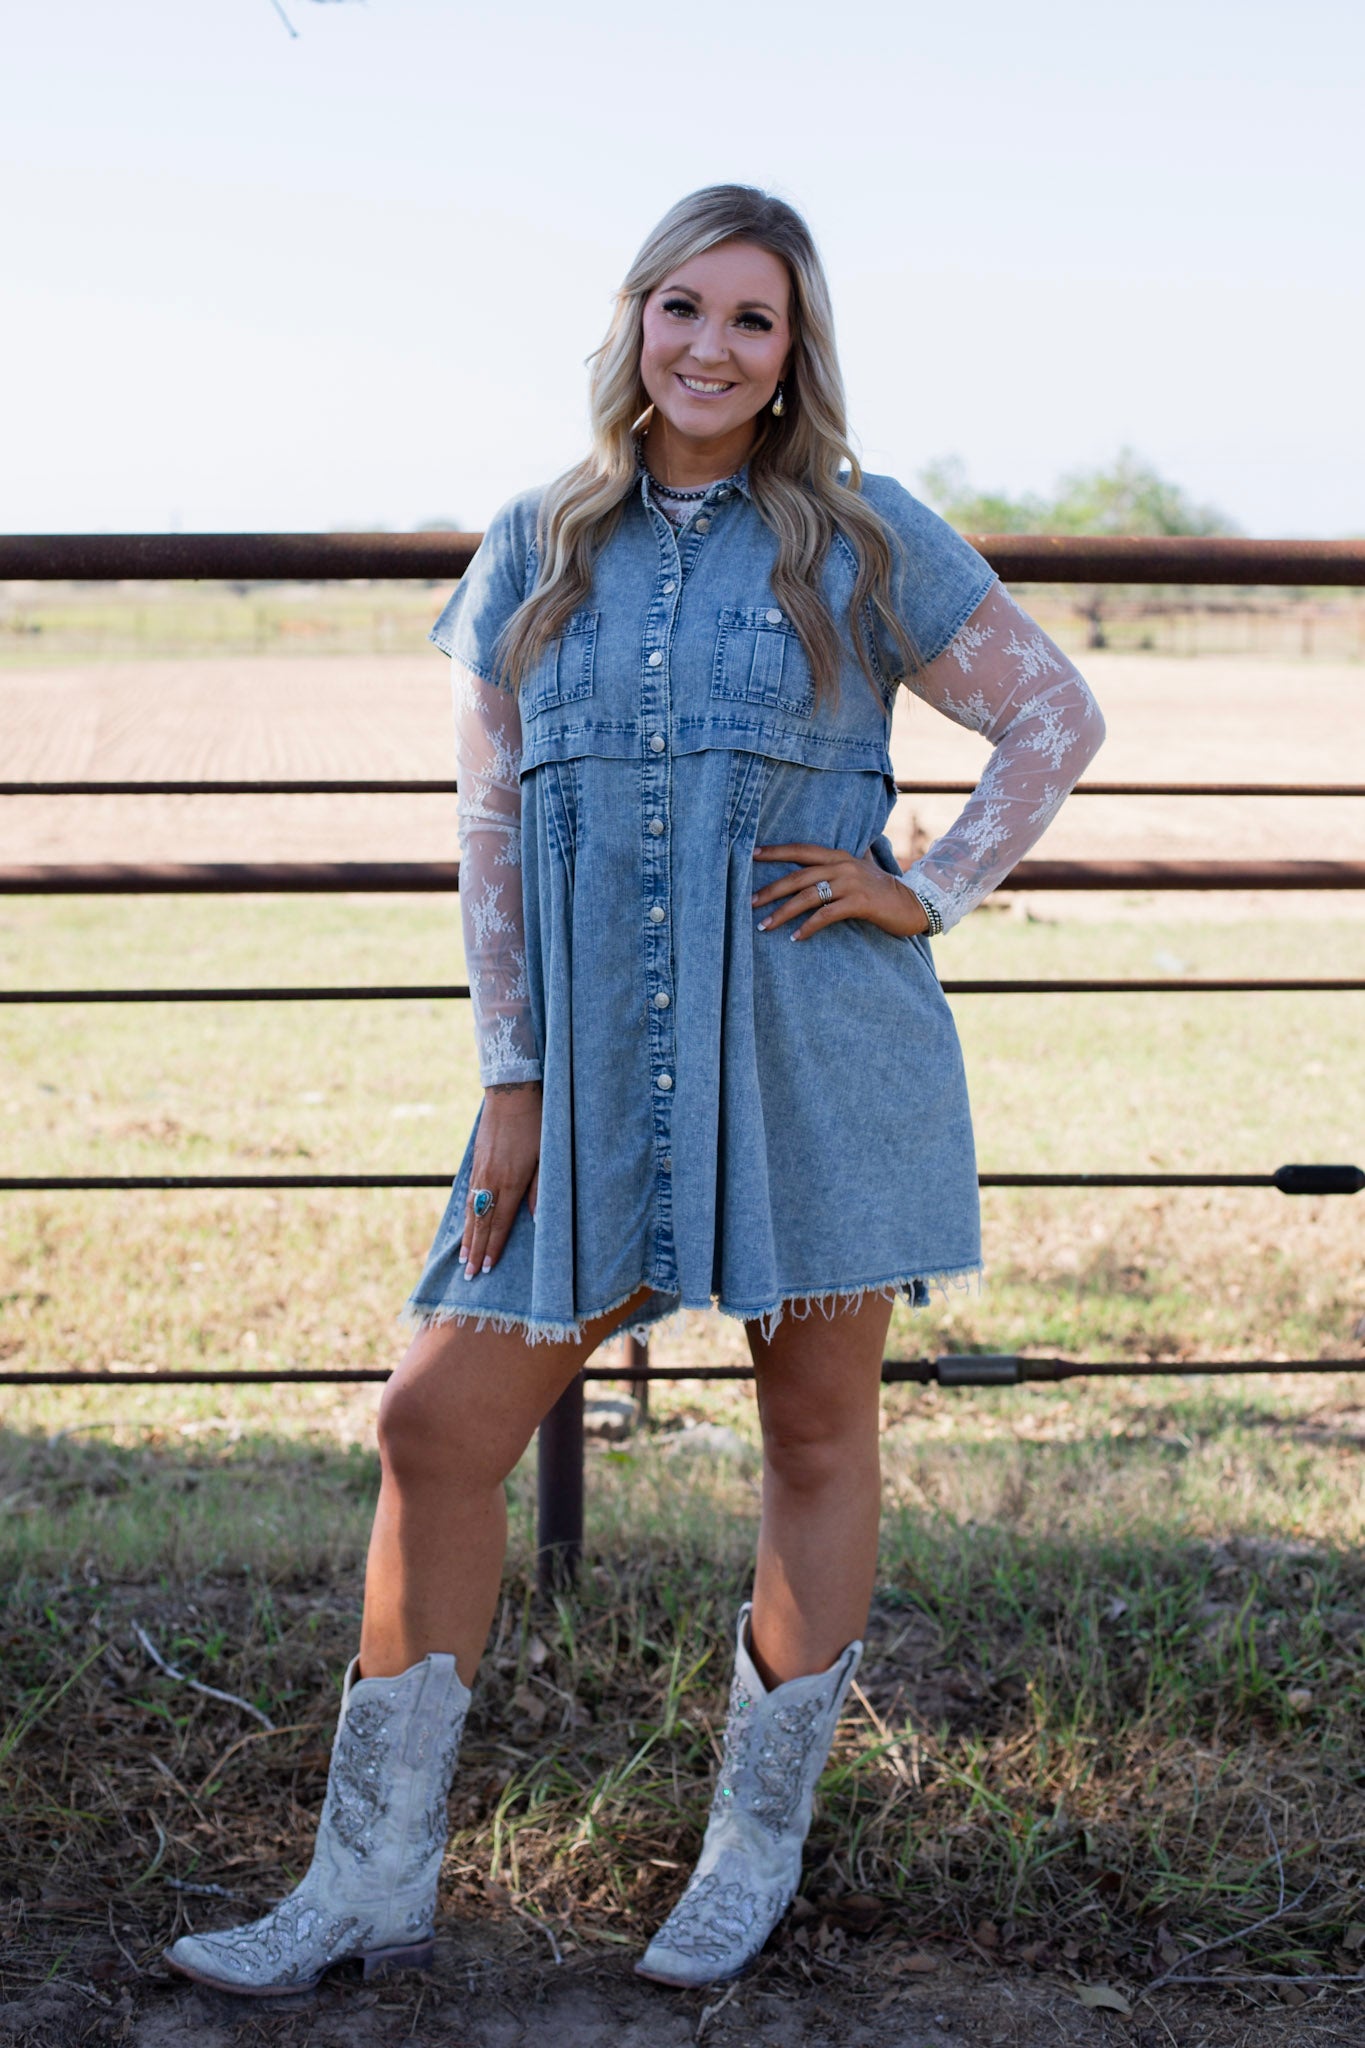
x: 799, y: 1303
x: 526, y: 1327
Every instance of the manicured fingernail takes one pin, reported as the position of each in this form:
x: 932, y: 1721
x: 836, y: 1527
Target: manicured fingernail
x: 487, y: 1266
x: 763, y: 923
x: 464, y: 1253
x: 469, y: 1270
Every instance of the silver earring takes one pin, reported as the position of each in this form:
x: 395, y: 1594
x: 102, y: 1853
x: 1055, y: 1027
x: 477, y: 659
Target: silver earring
x: 778, y: 407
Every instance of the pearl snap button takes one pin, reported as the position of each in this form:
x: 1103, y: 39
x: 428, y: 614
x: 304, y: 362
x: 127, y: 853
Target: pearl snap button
x: 656, y: 826
x: 774, y: 618
x: 656, y: 743
x: 702, y: 525
x: 662, y: 999
x: 657, y: 913
x: 669, y: 589
x: 656, y: 659
x: 665, y: 1081
x: 667, y: 1162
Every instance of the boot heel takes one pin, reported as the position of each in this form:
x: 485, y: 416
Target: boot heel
x: 381, y: 1962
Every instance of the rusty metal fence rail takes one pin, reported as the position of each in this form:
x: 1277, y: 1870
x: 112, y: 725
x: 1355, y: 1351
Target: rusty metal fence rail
x: 314, y: 557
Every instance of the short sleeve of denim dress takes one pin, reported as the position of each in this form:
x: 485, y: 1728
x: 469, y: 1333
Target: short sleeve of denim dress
x: 729, y: 1120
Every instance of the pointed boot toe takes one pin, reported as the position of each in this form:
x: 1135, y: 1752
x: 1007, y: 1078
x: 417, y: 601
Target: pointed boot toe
x: 718, y: 1927
x: 369, y: 1895
x: 776, y: 1742
x: 286, y: 1950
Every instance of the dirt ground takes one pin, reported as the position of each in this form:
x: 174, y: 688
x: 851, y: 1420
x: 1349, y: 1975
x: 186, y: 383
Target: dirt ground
x: 1214, y: 718
x: 499, y: 1988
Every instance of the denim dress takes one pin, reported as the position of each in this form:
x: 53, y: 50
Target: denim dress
x: 730, y: 1119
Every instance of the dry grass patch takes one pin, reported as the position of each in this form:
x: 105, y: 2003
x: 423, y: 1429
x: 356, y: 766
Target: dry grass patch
x: 1110, y: 1724
x: 1108, y: 1729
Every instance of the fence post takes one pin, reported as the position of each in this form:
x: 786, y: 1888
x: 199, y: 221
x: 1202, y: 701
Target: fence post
x: 559, y: 1479
x: 637, y: 1358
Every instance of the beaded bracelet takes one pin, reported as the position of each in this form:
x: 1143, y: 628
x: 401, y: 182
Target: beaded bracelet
x: 934, y: 926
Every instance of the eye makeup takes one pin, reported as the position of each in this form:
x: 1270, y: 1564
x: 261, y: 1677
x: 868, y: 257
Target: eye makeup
x: 758, y: 322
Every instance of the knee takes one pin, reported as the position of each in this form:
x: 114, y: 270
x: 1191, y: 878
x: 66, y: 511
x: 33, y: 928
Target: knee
x: 422, y: 1440
x: 409, y: 1443
x: 810, y: 1452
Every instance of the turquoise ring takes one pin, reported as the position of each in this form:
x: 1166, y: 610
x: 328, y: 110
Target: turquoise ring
x: 485, y: 1201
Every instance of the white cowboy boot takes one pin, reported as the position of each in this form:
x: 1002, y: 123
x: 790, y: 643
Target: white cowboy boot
x: 750, y: 1865
x: 370, y: 1891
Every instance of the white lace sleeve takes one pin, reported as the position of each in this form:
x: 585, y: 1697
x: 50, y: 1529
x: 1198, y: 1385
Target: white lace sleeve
x: 488, y: 759
x: 1002, y: 676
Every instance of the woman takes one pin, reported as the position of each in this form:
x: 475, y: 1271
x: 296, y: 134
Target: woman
x: 718, y: 1065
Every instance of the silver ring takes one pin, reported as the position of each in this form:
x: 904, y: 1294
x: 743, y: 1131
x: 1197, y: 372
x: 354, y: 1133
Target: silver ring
x: 485, y: 1201
x: 824, y: 892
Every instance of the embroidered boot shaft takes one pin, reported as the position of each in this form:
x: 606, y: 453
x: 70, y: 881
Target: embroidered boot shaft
x: 775, y: 1748
x: 370, y: 1891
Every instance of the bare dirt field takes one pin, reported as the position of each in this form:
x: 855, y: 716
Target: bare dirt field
x: 1212, y: 718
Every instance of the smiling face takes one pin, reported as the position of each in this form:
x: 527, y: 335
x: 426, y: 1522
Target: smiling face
x: 716, y: 340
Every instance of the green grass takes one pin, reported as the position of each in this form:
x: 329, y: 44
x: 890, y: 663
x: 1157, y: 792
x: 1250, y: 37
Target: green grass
x: 1106, y: 1704
x: 1114, y: 1683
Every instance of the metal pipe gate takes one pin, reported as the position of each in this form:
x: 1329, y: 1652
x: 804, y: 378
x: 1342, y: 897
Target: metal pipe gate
x: 1017, y: 558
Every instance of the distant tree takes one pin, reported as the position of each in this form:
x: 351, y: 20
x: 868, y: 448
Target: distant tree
x: 1125, y: 496
x: 1128, y: 496
x: 945, y: 484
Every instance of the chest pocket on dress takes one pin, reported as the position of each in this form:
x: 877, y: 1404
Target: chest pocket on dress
x: 759, y: 660
x: 564, y: 673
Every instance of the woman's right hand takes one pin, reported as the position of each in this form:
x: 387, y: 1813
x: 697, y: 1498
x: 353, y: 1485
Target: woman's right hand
x: 506, y: 1159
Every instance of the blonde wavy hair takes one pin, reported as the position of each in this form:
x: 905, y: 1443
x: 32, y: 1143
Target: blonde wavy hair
x: 803, y: 475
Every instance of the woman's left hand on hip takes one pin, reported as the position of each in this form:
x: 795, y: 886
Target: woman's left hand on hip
x: 860, y: 888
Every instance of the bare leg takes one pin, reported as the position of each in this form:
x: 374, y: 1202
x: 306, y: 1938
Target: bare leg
x: 819, y: 1403
x: 818, y: 1380
x: 455, y: 1418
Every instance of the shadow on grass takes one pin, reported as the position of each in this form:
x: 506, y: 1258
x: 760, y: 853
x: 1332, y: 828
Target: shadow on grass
x: 1083, y: 1752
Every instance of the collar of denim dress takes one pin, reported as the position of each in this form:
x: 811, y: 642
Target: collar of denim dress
x: 723, y: 486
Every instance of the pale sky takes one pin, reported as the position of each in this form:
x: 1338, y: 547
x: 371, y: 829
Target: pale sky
x: 350, y: 278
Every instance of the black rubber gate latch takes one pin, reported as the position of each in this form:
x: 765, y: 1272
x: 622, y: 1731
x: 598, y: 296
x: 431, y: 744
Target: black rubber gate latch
x: 1319, y: 1180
